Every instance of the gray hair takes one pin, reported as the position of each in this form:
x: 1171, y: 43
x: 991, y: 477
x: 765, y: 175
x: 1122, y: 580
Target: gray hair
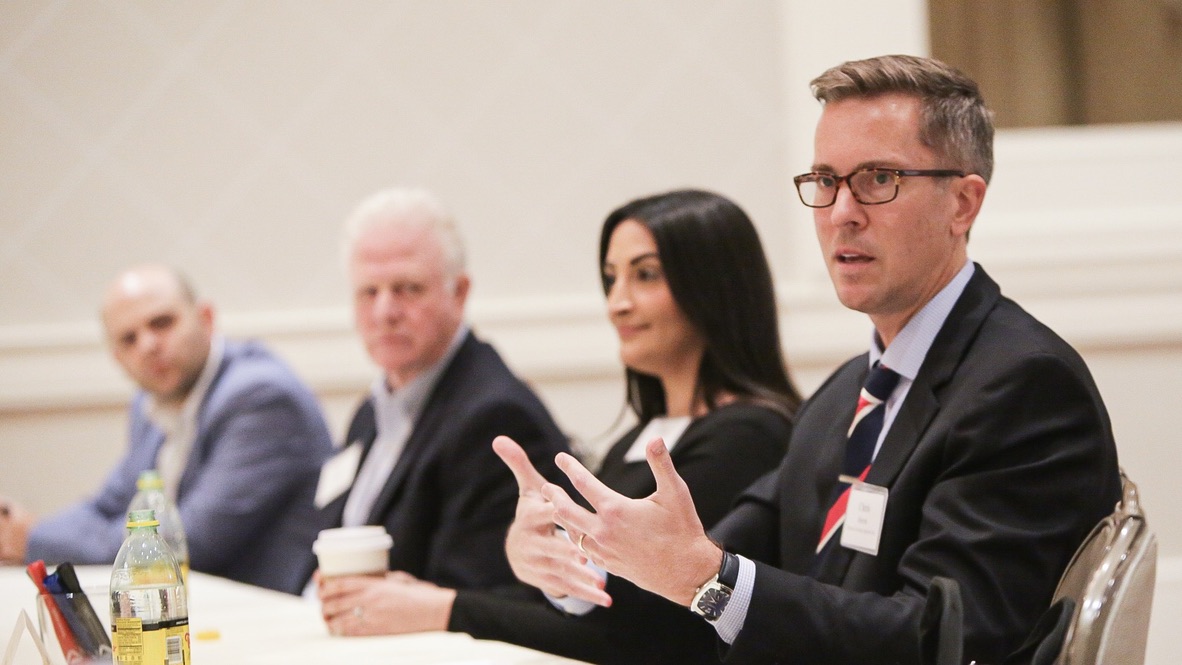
x: 955, y: 122
x: 402, y: 207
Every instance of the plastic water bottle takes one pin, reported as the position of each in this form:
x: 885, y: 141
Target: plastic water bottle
x: 151, y: 496
x: 149, y: 608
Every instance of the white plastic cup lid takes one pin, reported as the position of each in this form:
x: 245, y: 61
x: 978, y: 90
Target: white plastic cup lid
x: 353, y: 539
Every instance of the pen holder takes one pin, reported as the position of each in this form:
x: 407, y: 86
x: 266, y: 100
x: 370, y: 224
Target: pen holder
x: 75, y: 626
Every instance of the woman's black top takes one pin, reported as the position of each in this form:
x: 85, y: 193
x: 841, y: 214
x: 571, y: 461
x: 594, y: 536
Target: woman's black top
x: 718, y: 455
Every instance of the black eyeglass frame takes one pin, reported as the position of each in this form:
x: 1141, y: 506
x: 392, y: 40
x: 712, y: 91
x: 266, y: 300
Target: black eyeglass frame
x: 899, y: 174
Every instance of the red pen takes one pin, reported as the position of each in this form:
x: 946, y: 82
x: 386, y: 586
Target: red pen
x: 65, y: 636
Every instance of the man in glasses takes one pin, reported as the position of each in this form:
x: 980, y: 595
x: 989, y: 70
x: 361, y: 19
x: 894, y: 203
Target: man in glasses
x: 979, y: 448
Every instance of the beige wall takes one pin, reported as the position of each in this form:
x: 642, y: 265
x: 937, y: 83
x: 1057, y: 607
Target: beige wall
x: 231, y: 138
x: 213, y: 134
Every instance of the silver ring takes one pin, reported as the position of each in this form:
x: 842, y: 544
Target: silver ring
x: 581, y: 537
x: 357, y: 611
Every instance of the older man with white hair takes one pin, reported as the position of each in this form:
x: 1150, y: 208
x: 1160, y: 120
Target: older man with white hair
x: 418, y: 458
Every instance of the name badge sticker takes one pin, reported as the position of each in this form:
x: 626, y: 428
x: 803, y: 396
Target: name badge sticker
x: 863, y: 517
x: 336, y: 475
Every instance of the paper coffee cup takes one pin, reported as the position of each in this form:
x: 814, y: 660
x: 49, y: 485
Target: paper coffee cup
x: 353, y: 550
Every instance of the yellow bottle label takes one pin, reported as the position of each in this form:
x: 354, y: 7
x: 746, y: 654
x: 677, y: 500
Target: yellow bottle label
x: 162, y: 643
x: 127, y: 640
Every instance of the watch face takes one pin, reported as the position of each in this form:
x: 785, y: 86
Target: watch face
x: 712, y: 602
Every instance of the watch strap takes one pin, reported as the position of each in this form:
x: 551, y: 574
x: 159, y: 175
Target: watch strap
x: 728, y: 572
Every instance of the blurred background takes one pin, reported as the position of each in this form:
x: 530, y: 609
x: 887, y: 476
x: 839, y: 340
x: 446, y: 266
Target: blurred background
x: 231, y: 139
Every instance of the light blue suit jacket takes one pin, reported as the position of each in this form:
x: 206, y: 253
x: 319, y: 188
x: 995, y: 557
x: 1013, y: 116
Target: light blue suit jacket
x: 244, y: 493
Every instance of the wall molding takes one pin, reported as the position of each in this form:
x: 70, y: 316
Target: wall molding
x: 65, y: 366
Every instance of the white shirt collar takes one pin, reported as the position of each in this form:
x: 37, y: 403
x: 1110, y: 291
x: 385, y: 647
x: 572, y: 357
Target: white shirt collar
x: 909, y: 348
x: 669, y: 428
x: 410, y: 399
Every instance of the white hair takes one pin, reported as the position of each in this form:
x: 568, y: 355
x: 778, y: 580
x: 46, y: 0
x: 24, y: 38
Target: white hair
x: 403, y: 207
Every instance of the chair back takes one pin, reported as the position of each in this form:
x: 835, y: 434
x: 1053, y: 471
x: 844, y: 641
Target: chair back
x: 1111, y: 579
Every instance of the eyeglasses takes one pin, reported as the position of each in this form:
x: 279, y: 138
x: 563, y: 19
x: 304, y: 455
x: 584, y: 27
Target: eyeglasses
x: 870, y: 186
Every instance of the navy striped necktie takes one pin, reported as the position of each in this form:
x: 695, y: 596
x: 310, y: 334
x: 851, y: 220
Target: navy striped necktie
x: 859, y: 452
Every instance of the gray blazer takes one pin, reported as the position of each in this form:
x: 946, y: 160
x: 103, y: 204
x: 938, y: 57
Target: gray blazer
x: 260, y: 438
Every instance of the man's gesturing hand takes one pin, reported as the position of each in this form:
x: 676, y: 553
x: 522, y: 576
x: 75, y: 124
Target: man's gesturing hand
x: 656, y: 542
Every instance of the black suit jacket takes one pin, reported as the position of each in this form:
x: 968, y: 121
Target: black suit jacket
x: 718, y: 456
x: 1000, y: 460
x: 449, y: 499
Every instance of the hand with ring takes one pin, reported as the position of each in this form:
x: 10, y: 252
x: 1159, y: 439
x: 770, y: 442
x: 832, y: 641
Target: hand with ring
x: 394, y: 604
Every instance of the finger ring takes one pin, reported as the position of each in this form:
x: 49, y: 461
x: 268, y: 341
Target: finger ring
x: 357, y: 611
x: 581, y: 537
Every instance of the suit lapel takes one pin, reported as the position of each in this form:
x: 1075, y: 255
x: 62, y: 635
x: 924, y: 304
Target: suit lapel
x: 422, y: 432
x: 922, y: 403
x: 363, y: 430
x: 200, y: 448
x: 913, y: 418
x: 156, y: 441
x: 414, y: 449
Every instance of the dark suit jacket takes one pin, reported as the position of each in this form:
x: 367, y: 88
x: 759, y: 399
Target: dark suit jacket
x: 999, y: 462
x: 718, y: 456
x: 449, y: 500
x: 260, y: 440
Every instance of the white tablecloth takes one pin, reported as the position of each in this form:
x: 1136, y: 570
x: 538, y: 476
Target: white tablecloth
x: 232, y: 623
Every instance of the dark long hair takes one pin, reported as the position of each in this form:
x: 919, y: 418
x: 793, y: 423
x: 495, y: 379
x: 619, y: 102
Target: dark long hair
x: 719, y: 277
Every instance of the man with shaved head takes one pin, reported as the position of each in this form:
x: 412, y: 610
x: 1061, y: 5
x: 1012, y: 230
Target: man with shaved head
x: 231, y: 430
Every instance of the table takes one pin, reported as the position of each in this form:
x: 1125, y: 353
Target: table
x: 259, y: 626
